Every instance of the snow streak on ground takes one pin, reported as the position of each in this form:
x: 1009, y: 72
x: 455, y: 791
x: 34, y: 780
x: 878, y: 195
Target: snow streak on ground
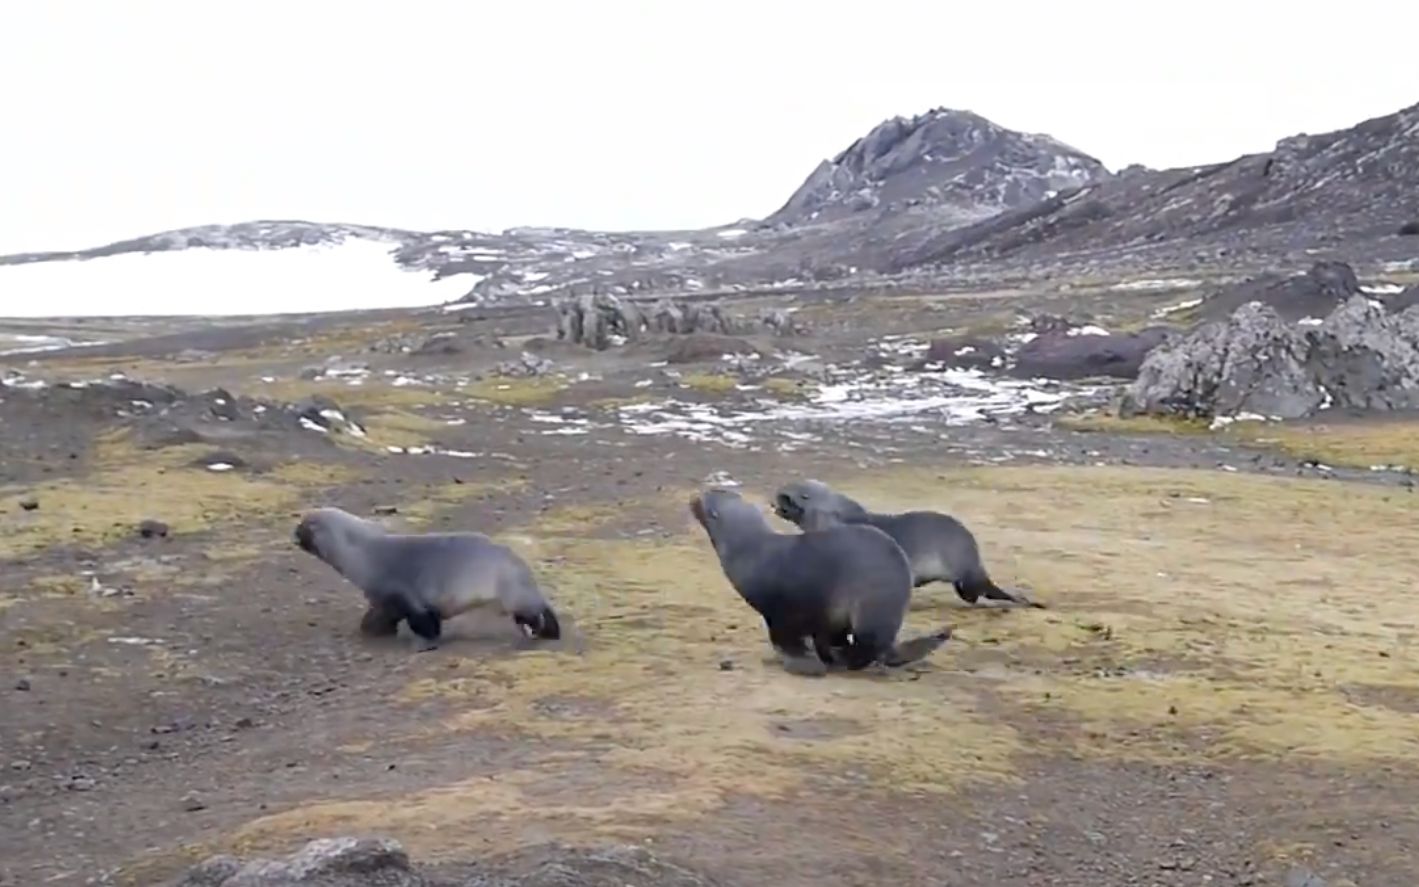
x: 353, y: 275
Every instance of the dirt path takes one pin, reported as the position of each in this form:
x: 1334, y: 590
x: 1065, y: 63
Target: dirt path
x: 1221, y: 690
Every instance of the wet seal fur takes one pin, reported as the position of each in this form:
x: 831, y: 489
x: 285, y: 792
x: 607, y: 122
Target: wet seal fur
x: 845, y: 587
x: 939, y: 547
x: 425, y: 578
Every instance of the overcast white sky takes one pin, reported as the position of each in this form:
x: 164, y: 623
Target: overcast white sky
x: 123, y: 118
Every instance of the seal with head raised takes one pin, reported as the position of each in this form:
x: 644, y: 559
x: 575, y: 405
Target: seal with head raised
x: 425, y: 578
x: 939, y: 547
x: 845, y: 588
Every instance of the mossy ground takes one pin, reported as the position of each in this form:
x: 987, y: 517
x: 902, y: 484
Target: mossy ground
x: 1193, y: 614
x: 123, y: 485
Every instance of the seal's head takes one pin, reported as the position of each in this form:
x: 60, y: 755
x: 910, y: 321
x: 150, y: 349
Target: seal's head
x: 321, y: 531
x: 794, y: 500
x: 713, y: 507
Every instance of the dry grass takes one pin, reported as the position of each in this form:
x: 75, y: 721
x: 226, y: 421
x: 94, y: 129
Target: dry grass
x: 1355, y: 443
x: 1193, y: 613
x: 125, y: 485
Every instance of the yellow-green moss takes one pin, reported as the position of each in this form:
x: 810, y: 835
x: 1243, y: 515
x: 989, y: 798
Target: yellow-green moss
x: 125, y: 486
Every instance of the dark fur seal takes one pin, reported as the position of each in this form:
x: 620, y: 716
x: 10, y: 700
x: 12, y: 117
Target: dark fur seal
x: 425, y: 578
x: 939, y: 547
x: 845, y: 587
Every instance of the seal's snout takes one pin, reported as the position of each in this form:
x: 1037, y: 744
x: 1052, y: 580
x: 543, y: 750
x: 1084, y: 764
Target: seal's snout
x: 697, y: 508
x: 304, y: 539
x: 786, y: 508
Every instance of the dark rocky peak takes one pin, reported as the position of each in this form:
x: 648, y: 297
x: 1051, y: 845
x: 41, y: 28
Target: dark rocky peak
x: 950, y: 159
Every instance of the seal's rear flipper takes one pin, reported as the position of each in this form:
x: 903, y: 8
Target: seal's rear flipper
x: 916, y: 649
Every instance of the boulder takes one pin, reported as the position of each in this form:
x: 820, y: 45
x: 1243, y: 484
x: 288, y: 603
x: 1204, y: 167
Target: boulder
x: 1365, y: 358
x: 379, y: 862
x: 1359, y: 357
x: 1079, y: 353
x: 1253, y: 362
x: 327, y: 862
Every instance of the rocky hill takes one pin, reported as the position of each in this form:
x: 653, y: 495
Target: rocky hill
x: 956, y: 162
x: 941, y: 197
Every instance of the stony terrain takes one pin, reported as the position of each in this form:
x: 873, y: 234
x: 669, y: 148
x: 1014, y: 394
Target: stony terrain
x: 1220, y: 691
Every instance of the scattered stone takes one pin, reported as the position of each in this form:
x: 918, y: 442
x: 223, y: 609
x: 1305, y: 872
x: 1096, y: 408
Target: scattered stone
x: 81, y: 784
x: 192, y: 804
x: 20, y: 765
x: 1300, y: 876
x: 386, y: 509
x: 700, y: 347
x: 29, y: 503
x: 153, y: 529
x: 726, y: 665
x: 23, y: 685
x: 528, y: 365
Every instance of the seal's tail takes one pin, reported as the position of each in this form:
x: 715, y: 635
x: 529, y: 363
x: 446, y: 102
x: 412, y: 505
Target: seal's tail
x: 976, y: 585
x: 916, y: 649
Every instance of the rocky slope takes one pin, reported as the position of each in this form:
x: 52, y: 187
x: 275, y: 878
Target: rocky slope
x: 942, y: 197
x: 1311, y: 192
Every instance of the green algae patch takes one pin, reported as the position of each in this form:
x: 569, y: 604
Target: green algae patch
x: 125, y: 485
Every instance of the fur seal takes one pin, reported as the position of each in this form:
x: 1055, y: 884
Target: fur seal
x: 939, y: 547
x: 425, y: 578
x: 845, y: 587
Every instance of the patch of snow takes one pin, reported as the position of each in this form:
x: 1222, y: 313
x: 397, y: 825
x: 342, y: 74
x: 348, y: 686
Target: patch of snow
x: 31, y: 344
x: 1181, y: 306
x: 1310, y: 321
x: 731, y: 233
x: 355, y: 274
x: 1382, y: 289
x: 220, y: 466
x: 1088, y: 330
x: 1156, y: 283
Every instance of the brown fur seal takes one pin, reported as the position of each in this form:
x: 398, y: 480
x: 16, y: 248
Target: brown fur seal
x: 845, y: 587
x: 425, y: 578
x: 939, y: 547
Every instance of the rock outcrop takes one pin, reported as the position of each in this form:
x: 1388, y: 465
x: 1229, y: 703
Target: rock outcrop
x: 379, y: 862
x: 602, y: 320
x: 1255, y: 362
x: 944, y: 159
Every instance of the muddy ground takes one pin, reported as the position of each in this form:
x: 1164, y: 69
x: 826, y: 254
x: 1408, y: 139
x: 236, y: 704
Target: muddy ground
x: 1222, y: 690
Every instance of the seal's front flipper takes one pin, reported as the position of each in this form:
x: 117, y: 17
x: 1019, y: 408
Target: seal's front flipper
x: 427, y: 628
x: 804, y: 666
x: 379, y: 622
x: 916, y: 649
